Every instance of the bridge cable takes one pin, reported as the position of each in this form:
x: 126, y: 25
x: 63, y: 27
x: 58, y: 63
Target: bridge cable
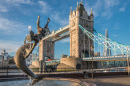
x: 103, y: 39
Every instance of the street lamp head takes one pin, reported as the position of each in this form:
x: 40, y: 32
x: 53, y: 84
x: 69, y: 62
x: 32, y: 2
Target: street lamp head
x: 29, y: 28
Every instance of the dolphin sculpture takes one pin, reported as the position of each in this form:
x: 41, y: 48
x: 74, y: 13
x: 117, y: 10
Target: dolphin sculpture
x: 20, y: 60
x: 24, y: 51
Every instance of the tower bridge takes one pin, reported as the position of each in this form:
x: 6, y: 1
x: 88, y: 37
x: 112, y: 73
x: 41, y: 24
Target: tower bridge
x: 80, y: 16
x: 80, y: 30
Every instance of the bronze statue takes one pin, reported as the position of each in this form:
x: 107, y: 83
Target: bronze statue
x: 41, y: 31
x: 23, y: 52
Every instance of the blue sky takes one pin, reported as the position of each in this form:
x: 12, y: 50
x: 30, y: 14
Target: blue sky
x: 17, y: 15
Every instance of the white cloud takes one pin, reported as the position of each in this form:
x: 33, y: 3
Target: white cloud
x: 42, y: 3
x: 103, y: 29
x: 58, y: 19
x: 116, y: 26
x: 3, y: 9
x: 17, y: 2
x: 9, y: 46
x: 122, y: 9
x: 103, y: 8
x: 108, y: 5
x: 11, y: 27
x: 45, y: 7
x: 97, y: 7
x: 111, y: 3
x: 65, y: 40
x: 107, y: 14
x: 115, y: 35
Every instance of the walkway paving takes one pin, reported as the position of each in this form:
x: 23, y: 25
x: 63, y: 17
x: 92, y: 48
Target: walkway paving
x: 110, y: 81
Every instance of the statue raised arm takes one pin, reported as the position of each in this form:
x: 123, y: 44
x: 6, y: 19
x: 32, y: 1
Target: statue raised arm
x: 41, y: 31
x: 46, y: 26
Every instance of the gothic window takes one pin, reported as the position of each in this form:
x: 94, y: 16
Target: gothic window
x: 83, y: 21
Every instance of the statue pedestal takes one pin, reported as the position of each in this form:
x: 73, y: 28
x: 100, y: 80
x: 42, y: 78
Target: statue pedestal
x: 42, y: 66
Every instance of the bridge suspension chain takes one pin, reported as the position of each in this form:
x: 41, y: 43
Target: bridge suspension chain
x: 100, y: 39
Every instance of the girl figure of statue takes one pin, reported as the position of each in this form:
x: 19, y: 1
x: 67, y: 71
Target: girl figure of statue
x: 41, y: 31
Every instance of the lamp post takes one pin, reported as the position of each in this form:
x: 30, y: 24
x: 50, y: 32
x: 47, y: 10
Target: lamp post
x: 127, y: 60
x: 92, y: 59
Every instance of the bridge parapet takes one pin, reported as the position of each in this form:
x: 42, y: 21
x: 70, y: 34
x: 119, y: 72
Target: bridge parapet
x: 107, y: 58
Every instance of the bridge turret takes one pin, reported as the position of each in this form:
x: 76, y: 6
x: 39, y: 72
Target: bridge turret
x: 74, y: 13
x: 77, y: 10
x: 81, y: 9
x: 92, y: 20
x: 79, y: 43
x: 70, y: 16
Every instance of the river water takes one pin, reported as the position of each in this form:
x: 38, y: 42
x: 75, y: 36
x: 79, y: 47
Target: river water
x: 40, y: 83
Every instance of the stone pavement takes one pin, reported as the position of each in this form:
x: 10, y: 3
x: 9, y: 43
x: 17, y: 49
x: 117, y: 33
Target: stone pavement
x: 110, y: 81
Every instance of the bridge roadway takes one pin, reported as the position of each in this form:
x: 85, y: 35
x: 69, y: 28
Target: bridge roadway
x: 59, y: 34
x: 107, y: 58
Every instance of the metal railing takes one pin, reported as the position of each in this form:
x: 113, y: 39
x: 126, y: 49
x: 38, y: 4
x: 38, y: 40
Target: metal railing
x: 15, y: 71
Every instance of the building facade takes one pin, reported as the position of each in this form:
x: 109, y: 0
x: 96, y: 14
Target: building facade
x: 4, y: 59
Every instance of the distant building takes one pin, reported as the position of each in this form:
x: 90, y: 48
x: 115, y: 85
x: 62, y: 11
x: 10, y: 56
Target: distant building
x: 107, y: 50
x: 97, y: 54
x: 4, y: 58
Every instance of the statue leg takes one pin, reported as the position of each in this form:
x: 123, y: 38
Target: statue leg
x: 38, y: 21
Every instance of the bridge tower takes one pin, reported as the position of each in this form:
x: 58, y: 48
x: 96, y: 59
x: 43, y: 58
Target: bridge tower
x: 46, y: 49
x: 80, y: 44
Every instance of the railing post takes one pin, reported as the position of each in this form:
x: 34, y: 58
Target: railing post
x: 7, y: 70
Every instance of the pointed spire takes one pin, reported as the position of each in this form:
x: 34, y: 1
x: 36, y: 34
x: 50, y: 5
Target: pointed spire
x: 81, y: 2
x: 106, y: 34
x: 91, y: 12
x: 53, y: 32
x: 70, y: 10
x: 77, y: 9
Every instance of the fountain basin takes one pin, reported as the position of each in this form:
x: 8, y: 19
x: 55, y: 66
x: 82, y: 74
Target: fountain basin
x: 45, y: 82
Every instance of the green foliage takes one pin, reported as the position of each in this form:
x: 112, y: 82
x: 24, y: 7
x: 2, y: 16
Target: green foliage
x: 35, y: 69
